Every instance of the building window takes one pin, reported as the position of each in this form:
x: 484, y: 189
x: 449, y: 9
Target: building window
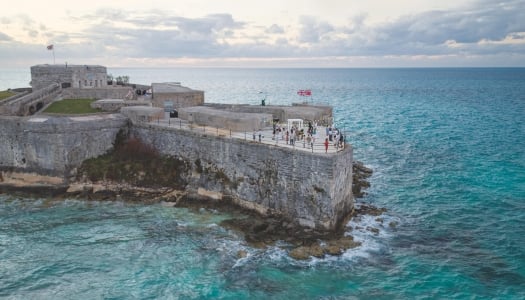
x: 91, y: 83
x: 79, y: 84
x: 168, y: 105
x: 85, y: 82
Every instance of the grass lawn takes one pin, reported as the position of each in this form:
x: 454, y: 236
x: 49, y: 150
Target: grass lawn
x: 5, y: 94
x: 72, y: 106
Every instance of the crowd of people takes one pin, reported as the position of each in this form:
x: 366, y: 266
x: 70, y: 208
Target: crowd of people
x: 308, y: 137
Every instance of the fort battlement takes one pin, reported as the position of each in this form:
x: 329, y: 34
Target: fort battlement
x: 314, y: 189
x: 311, y: 187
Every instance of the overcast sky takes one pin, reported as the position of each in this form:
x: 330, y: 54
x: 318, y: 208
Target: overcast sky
x: 269, y: 33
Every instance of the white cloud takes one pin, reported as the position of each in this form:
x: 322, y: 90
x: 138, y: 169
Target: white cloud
x: 107, y: 35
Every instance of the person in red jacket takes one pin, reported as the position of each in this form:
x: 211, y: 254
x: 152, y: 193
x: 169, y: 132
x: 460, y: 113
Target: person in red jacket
x: 326, y: 145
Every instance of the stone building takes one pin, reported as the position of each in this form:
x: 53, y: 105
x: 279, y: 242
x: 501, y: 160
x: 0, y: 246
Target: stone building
x: 236, y: 121
x: 172, y: 95
x: 75, y: 76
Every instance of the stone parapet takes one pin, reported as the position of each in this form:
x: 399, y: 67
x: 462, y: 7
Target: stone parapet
x: 110, y: 92
x: 55, y: 146
x: 313, y: 189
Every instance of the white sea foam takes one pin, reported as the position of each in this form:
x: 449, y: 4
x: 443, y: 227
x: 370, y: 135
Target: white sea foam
x: 373, y: 232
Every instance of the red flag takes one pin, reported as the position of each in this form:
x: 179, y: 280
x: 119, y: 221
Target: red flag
x: 50, y: 47
x: 304, y: 92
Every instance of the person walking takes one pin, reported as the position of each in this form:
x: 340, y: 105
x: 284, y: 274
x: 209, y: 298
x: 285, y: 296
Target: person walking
x: 326, y: 143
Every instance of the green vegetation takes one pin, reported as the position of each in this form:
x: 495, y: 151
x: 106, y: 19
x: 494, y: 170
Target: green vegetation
x: 5, y: 94
x: 72, y: 106
x: 135, y: 163
x: 121, y: 80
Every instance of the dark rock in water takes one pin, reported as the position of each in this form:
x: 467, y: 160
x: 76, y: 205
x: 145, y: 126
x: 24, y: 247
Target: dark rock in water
x: 367, y: 209
x: 37, y: 190
x: 359, y: 178
x: 331, y: 247
x: 305, y: 252
x: 373, y: 230
x: 242, y: 254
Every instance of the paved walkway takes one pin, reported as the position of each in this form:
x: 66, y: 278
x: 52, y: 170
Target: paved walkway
x: 266, y: 135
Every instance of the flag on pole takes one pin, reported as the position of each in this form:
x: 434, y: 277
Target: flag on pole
x: 50, y: 47
x: 304, y: 92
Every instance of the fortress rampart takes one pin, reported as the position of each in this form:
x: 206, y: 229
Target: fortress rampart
x: 313, y: 189
x: 55, y: 146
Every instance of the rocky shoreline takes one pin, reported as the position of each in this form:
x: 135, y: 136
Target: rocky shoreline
x: 258, y: 230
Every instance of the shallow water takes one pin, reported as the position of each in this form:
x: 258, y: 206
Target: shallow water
x: 448, y: 152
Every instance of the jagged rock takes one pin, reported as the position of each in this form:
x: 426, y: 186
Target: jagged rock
x: 346, y: 242
x: 359, y: 178
x: 373, y: 230
x: 332, y: 247
x: 242, y: 254
x: 305, y: 252
x: 366, y: 209
x: 392, y: 224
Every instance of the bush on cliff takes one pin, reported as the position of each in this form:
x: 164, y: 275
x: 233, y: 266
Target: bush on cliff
x: 133, y: 162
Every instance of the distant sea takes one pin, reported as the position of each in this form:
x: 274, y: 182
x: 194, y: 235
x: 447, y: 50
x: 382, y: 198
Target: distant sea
x: 447, y: 147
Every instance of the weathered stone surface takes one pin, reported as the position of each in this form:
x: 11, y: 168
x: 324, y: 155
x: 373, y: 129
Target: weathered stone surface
x: 360, y: 178
x: 313, y: 189
x: 331, y: 247
x: 367, y: 209
x: 55, y: 145
x: 78, y: 76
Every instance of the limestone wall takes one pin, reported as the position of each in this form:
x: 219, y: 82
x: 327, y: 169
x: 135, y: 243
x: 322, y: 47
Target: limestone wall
x: 202, y: 115
x: 30, y: 103
x: 77, y: 76
x: 55, y: 145
x: 314, y: 189
x: 178, y: 100
x: 110, y: 92
x: 281, y: 112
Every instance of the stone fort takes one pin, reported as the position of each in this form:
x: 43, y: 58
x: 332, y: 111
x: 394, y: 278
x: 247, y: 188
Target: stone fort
x: 314, y: 189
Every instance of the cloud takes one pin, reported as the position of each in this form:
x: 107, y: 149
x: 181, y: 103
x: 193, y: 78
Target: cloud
x: 313, y: 30
x: 4, y: 37
x: 208, y: 24
x: 473, y: 30
x: 274, y: 29
x: 427, y: 32
x: 483, y: 28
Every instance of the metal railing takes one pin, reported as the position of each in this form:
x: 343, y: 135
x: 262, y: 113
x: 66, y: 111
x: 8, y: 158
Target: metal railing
x: 266, y: 136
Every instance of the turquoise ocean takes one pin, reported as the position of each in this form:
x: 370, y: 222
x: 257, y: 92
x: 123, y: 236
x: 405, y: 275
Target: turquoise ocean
x: 447, y: 147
